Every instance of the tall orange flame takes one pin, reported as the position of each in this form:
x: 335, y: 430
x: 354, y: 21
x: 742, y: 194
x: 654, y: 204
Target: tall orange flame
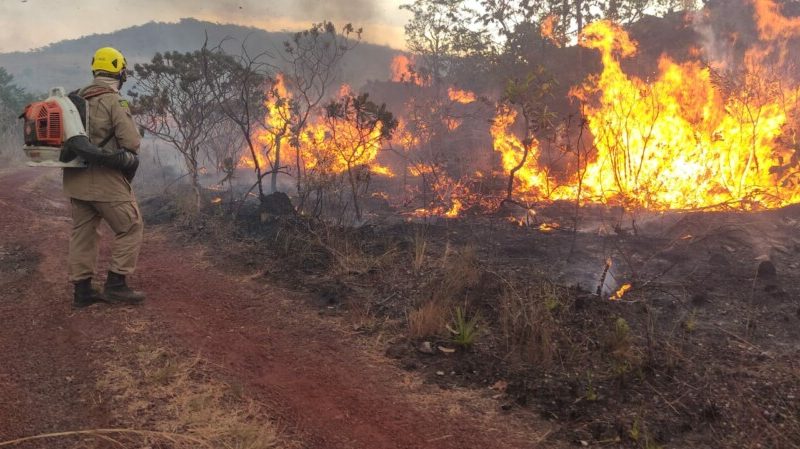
x: 677, y: 142
x: 403, y: 71
x: 276, y: 123
x: 548, y: 29
x: 332, y: 146
x: 773, y: 25
x: 461, y: 96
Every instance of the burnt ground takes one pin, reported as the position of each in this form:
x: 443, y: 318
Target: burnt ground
x: 217, y: 357
x: 702, y: 351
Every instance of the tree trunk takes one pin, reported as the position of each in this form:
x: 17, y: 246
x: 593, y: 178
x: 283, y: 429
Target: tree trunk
x: 354, y: 190
x: 197, y: 191
x: 273, y: 184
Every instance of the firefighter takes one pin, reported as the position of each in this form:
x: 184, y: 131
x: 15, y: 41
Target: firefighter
x: 102, y: 191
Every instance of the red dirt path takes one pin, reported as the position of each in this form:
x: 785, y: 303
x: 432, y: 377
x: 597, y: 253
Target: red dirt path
x: 328, y: 388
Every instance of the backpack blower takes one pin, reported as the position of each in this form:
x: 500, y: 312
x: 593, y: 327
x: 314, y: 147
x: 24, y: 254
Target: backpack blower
x: 55, y: 136
x: 48, y: 125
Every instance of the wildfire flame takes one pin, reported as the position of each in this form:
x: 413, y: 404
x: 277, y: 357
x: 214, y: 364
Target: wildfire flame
x: 549, y: 227
x: 276, y: 123
x: 773, y: 25
x: 621, y: 292
x: 335, y: 146
x: 532, y: 179
x: 452, y: 123
x: 548, y: 29
x: 461, y: 96
x: 683, y: 139
x: 403, y: 71
x: 674, y: 143
x: 455, y: 209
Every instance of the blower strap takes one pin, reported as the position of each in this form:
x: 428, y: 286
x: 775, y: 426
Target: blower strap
x: 96, y: 91
x: 80, y: 103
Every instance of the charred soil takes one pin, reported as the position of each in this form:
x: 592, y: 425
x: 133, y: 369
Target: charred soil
x: 217, y: 357
x: 699, y: 350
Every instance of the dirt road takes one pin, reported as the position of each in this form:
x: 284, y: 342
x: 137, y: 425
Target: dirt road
x: 63, y: 370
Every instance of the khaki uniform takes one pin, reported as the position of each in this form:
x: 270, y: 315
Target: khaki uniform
x: 101, y: 193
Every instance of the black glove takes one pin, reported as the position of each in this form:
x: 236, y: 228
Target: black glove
x: 122, y: 160
x: 125, y: 161
x: 130, y: 172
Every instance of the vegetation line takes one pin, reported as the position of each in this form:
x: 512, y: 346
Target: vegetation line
x: 98, y: 432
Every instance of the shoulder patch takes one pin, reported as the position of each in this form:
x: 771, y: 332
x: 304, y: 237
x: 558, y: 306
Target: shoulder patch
x: 123, y: 103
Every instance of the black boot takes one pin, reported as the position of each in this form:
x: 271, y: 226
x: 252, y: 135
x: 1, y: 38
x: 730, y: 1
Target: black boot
x: 85, y: 294
x: 117, y: 291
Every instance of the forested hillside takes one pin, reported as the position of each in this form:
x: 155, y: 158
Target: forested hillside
x: 66, y: 63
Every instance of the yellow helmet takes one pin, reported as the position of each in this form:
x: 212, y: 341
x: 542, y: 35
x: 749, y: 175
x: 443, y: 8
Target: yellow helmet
x: 109, y: 61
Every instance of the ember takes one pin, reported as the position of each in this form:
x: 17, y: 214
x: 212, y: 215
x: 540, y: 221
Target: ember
x: 549, y: 227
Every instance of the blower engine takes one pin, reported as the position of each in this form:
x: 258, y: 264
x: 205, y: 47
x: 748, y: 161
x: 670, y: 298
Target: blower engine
x: 48, y: 126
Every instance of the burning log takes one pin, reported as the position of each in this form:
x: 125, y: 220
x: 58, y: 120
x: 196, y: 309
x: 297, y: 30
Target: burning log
x: 600, y: 286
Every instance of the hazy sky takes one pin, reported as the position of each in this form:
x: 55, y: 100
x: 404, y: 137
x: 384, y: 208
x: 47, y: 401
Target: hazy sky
x: 26, y: 24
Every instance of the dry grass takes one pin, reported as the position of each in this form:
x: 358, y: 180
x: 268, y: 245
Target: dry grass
x: 420, y: 245
x: 176, y: 395
x: 118, y: 437
x: 428, y: 320
x: 352, y: 259
x: 176, y: 398
x: 334, y: 250
x: 527, y: 322
x: 459, y: 272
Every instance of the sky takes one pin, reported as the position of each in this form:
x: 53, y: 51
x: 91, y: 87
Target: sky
x: 28, y: 24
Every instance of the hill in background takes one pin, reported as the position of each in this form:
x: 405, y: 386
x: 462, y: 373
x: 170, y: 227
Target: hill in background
x: 66, y: 63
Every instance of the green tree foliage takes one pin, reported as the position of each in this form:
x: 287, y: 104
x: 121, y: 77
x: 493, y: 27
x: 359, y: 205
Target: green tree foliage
x: 311, y: 61
x: 174, y: 101
x: 12, y: 100
x: 437, y: 35
x: 569, y: 16
x: 238, y: 82
x: 353, y: 145
x: 12, y: 96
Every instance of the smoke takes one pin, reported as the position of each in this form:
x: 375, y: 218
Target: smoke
x: 297, y: 10
x: 347, y: 10
x: 719, y: 51
x: 726, y: 29
x: 21, y: 22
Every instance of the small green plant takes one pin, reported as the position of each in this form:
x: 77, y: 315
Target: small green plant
x: 590, y: 394
x: 690, y: 323
x: 619, y: 345
x: 635, y: 433
x: 465, y: 331
x: 639, y: 434
x: 621, y: 330
x: 551, y: 296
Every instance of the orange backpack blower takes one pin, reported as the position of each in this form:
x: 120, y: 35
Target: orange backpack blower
x: 48, y: 125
